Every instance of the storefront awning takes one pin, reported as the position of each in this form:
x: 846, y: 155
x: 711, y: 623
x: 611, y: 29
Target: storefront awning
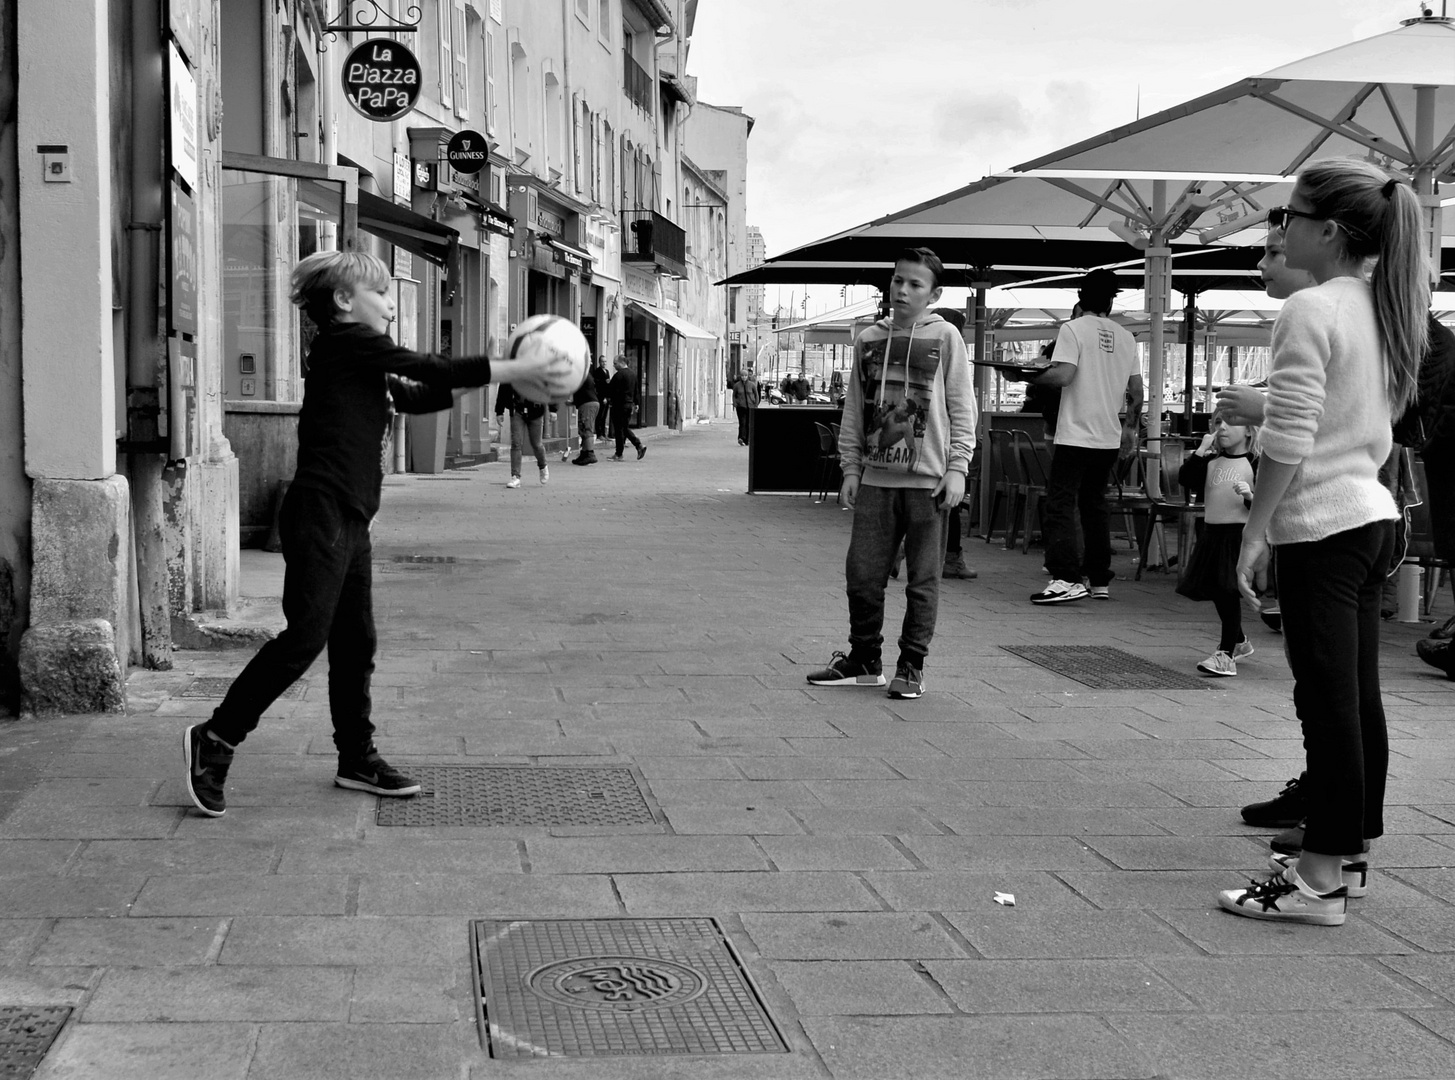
x: 572, y: 257
x: 675, y: 323
x: 403, y: 228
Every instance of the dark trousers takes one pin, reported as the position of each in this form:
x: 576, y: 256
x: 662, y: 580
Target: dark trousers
x: 1077, y: 484
x: 586, y: 427
x: 1230, y: 614
x: 1329, y: 590
x: 622, y: 431
x: 882, y: 518
x: 742, y: 422
x: 328, y: 602
x: 601, y: 420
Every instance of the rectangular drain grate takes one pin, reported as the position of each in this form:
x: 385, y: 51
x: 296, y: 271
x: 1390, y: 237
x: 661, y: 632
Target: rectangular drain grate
x: 609, y: 987
x: 1104, y: 668
x: 25, y: 1036
x: 520, y: 795
x: 215, y: 686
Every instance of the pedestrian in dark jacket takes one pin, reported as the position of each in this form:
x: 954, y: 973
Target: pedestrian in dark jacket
x: 745, y: 397
x: 601, y: 379
x: 527, y: 420
x: 588, y: 406
x: 621, y: 410
x: 355, y: 380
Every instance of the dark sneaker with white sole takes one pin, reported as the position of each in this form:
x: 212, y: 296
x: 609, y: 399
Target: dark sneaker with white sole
x: 846, y: 671
x: 373, y: 774
x: 207, y: 764
x: 1285, y: 810
x: 908, y: 681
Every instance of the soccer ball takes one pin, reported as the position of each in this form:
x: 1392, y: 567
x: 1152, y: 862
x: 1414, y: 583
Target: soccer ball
x: 553, y: 334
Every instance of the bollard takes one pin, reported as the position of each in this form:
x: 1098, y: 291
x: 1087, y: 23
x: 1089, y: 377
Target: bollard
x: 1410, y: 592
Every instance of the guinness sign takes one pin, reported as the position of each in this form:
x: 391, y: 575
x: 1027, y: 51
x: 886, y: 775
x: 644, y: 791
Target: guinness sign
x: 467, y: 152
x: 382, y: 79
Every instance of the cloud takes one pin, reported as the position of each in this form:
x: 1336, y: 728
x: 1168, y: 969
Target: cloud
x: 969, y: 116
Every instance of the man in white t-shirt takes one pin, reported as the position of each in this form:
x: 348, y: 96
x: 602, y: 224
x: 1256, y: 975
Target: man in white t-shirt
x: 1095, y: 365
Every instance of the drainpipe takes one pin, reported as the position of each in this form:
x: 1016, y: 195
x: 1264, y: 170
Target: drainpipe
x: 145, y: 350
x: 328, y: 140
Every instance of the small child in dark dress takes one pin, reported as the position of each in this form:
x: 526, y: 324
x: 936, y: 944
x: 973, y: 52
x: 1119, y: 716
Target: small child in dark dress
x: 1221, y: 470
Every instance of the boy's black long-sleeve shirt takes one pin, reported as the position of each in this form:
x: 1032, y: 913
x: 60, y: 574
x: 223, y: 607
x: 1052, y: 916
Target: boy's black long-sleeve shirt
x: 355, y: 381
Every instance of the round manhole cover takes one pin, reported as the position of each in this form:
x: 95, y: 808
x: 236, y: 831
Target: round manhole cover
x: 616, y: 983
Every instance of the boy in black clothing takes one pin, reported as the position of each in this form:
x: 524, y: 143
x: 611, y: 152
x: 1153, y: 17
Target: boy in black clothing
x: 356, y: 379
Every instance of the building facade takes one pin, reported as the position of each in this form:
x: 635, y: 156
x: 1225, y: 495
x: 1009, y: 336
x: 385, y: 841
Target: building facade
x: 717, y: 141
x: 753, y: 296
x: 180, y: 155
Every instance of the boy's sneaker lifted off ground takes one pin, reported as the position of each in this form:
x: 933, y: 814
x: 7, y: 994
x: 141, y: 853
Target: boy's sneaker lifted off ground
x: 373, y: 774
x: 1061, y: 592
x: 842, y: 671
x: 207, y: 764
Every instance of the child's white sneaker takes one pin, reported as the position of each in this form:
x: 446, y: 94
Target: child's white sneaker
x: 545, y: 474
x: 1243, y: 649
x: 1219, y: 663
x: 514, y: 482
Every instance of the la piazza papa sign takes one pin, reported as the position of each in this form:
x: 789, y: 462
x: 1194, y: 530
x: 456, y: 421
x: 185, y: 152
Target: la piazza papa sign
x: 382, y: 79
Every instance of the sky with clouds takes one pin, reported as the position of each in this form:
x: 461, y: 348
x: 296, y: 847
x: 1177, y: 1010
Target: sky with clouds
x: 864, y: 107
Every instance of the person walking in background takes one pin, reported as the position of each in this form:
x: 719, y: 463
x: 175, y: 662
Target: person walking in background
x: 527, y: 418
x: 745, y: 397
x: 904, y: 447
x: 601, y: 379
x: 1346, y: 358
x: 588, y: 407
x: 1221, y: 472
x: 620, y: 392
x: 1094, y: 363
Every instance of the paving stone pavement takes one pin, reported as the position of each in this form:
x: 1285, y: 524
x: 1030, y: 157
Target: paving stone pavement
x: 651, y: 614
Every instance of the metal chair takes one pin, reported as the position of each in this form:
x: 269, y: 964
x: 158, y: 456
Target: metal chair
x: 1170, y: 504
x: 828, y: 456
x: 1035, y: 464
x: 1009, y: 483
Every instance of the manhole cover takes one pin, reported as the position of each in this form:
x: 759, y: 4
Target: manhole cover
x: 25, y: 1036
x: 595, y: 987
x: 519, y: 795
x: 216, y: 686
x: 1104, y: 668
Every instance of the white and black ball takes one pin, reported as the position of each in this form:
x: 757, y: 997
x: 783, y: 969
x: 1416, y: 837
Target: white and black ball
x: 554, y: 335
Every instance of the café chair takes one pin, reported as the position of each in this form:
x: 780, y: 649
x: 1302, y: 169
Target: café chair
x: 828, y: 456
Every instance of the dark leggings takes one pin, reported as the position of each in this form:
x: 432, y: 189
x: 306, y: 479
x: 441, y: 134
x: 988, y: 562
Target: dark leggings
x: 1230, y: 611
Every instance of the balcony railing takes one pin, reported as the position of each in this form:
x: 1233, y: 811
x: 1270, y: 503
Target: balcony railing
x: 650, y: 238
x: 636, y: 83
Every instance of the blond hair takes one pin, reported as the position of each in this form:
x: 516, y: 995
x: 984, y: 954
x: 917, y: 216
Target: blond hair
x: 318, y: 276
x: 1380, y: 217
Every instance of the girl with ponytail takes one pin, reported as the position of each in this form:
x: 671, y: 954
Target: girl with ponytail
x: 1346, y: 357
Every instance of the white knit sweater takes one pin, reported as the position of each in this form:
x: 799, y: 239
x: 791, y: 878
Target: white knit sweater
x: 1328, y: 413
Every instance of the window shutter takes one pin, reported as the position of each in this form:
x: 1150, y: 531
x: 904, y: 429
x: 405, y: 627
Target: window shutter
x: 577, y: 179
x: 447, y: 58
x: 489, y: 83
x: 462, y: 61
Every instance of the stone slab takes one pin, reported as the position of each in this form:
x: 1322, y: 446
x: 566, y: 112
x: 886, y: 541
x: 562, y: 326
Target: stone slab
x: 980, y: 987
x: 642, y: 854
x: 383, y: 852
x: 685, y: 893
x: 362, y: 1051
x: 993, y: 854
x: 834, y: 853
x: 238, y: 894
x: 131, y: 1051
x: 488, y: 895
x: 850, y: 936
x: 133, y: 942
x: 1317, y: 983
x: 1033, y: 934
x: 313, y: 940
x: 860, y: 988
x: 254, y: 992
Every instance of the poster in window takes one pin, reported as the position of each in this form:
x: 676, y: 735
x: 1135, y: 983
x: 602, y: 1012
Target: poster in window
x: 181, y: 262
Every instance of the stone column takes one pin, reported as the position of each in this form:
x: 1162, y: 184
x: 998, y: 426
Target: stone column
x: 80, y: 580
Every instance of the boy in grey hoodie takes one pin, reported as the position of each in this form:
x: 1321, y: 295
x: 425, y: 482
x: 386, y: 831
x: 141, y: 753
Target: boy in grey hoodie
x: 904, y: 447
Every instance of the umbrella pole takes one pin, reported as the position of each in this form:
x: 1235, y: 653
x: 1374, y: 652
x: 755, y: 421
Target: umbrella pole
x: 1189, y: 381
x: 982, y: 398
x: 1156, y: 284
x: 1424, y: 178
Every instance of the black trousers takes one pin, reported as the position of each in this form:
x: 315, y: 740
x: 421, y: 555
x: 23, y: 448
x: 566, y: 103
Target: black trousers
x: 1329, y: 590
x: 1077, y: 484
x: 623, y: 433
x: 328, y: 602
x: 742, y: 422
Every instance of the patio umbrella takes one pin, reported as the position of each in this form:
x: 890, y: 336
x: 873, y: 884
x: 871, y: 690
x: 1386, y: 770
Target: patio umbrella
x: 1389, y: 98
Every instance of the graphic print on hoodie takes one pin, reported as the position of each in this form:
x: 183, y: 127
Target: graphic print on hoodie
x: 897, y: 397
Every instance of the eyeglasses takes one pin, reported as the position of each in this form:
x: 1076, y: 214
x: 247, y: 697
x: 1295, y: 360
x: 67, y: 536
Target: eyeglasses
x: 1279, y: 216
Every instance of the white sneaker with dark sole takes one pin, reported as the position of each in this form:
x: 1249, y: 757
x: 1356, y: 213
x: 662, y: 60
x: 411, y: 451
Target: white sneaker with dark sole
x: 1061, y: 592
x: 1219, y: 663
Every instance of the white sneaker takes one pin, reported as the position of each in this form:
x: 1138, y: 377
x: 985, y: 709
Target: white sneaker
x: 1219, y: 663
x: 514, y: 482
x: 1242, y: 649
x: 1060, y: 592
x: 1285, y: 898
x: 1355, y: 871
x: 545, y: 474
x: 1100, y: 592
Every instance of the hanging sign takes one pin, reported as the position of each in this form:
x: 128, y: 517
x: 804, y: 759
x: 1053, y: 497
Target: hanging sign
x: 467, y: 152
x: 382, y: 79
